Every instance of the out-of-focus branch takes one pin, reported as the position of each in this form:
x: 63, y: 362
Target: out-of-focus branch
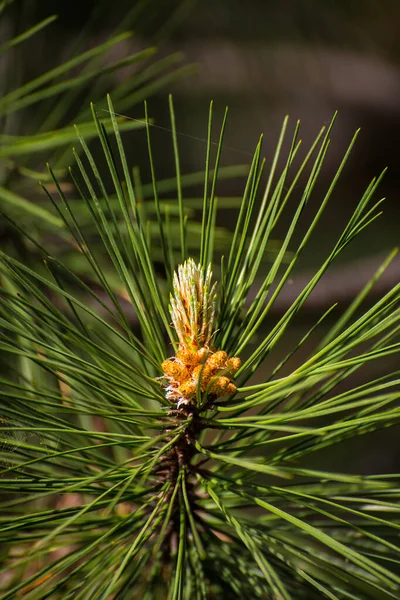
x: 340, y: 284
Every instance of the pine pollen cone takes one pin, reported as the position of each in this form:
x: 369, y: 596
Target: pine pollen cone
x: 190, y: 370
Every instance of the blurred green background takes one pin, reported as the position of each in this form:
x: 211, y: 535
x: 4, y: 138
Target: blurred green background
x: 264, y: 59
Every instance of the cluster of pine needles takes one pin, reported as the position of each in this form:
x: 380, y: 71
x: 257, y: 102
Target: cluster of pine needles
x: 159, y: 458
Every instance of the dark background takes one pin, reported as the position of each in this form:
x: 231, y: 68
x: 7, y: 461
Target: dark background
x: 263, y: 60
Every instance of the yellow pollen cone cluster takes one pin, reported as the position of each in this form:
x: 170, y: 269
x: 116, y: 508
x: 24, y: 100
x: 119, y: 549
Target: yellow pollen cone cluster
x: 196, y: 368
x: 208, y: 371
